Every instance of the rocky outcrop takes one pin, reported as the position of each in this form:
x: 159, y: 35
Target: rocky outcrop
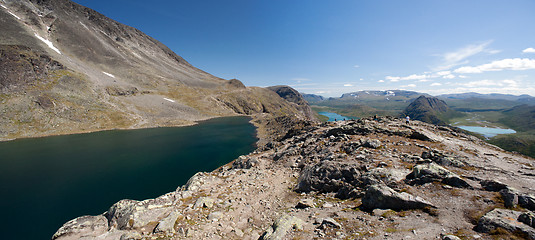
x: 432, y: 172
x: 383, y: 197
x: 348, y: 179
x: 507, y: 220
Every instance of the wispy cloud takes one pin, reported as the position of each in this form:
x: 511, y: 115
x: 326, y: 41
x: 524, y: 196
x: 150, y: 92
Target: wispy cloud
x: 499, y: 65
x: 348, y: 85
x: 356, y: 66
x: 300, y: 80
x: 436, y: 84
x: 529, y: 50
x: 456, y: 58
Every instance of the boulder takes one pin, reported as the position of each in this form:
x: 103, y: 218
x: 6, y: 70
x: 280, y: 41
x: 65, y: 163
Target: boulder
x: 244, y: 162
x: 450, y: 237
x: 492, y: 185
x: 281, y: 226
x: 504, y: 219
x: 167, y: 225
x: 204, y: 202
x: 328, y: 176
x: 372, y: 143
x: 329, y: 223
x: 432, y: 172
x: 305, y: 203
x: 527, y: 218
x: 384, y: 197
x: 82, y: 226
x: 513, y: 197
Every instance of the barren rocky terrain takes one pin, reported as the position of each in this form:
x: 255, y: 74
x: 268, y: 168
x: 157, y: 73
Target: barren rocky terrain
x: 359, y: 179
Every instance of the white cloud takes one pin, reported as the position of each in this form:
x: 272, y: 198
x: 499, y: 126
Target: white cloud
x: 356, y: 66
x: 499, y: 65
x: 424, y: 80
x: 410, y: 77
x: 392, y: 79
x: 300, y: 80
x: 459, y: 57
x: 462, y: 76
x: 450, y: 76
x: 409, y: 85
x: 348, y: 85
x: 529, y: 50
x: 444, y: 73
x: 436, y: 84
x: 381, y: 81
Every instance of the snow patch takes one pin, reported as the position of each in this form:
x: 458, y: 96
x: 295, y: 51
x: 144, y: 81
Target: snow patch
x: 48, y: 43
x: 170, y: 100
x: 109, y: 74
x: 84, y: 25
x: 390, y: 93
x: 3, y: 6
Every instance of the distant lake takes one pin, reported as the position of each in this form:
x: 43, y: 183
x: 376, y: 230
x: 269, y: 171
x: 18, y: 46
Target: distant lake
x: 486, y: 131
x: 48, y: 181
x: 334, y: 116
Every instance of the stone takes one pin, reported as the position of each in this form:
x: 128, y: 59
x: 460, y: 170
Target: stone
x: 384, y: 197
x: 281, y: 226
x: 492, y: 185
x: 82, y: 226
x: 431, y: 172
x: 330, y: 223
x: 450, y: 237
x: 244, y: 162
x: 204, y: 202
x: 527, y: 218
x: 131, y: 236
x: 167, y: 225
x: 215, y: 215
x: 513, y: 197
x: 504, y: 219
x: 372, y: 143
x: 305, y: 203
x: 328, y: 176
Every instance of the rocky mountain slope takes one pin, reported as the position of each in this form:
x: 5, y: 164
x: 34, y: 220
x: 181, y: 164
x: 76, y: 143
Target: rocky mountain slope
x: 358, y: 179
x: 66, y: 69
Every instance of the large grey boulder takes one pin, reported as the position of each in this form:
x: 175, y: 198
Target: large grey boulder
x: 384, y: 197
x: 328, y: 176
x: 281, y: 226
x: 504, y: 219
x: 84, y: 226
x: 431, y: 172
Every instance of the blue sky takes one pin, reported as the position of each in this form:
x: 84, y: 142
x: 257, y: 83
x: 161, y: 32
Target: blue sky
x: 340, y: 46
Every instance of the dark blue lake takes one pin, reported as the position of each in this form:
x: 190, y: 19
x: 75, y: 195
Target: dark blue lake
x: 48, y: 181
x: 334, y: 116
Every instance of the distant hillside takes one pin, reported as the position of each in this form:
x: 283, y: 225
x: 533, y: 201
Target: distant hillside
x: 520, y: 118
x: 429, y: 109
x: 509, y: 97
x: 312, y: 98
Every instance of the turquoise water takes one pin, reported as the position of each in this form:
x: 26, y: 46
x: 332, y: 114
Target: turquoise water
x: 48, y: 181
x: 486, y: 131
x: 334, y: 116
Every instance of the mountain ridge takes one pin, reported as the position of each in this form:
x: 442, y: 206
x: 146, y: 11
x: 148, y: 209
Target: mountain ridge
x: 86, y: 72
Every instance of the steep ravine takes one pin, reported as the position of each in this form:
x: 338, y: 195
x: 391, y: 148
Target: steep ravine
x: 371, y: 179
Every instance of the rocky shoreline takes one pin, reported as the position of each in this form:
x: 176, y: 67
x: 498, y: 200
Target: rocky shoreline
x: 365, y: 179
